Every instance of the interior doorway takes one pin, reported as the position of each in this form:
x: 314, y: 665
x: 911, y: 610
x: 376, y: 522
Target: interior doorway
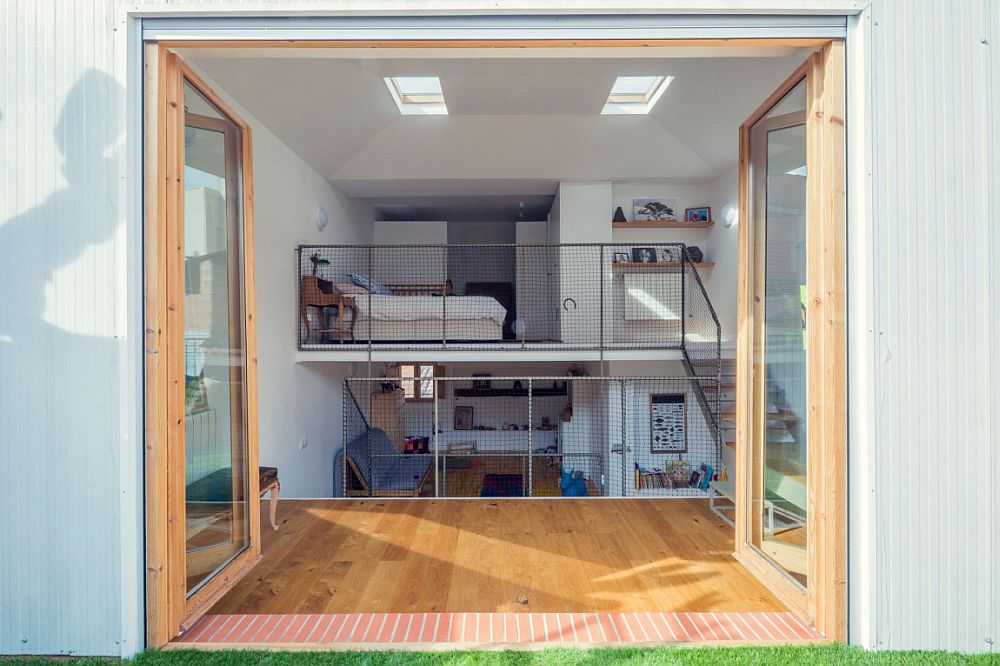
x: 773, y: 518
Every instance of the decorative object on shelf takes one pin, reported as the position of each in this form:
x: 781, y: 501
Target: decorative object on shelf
x: 695, y: 254
x: 668, y: 423
x: 670, y: 254
x: 517, y: 385
x: 317, y: 262
x: 322, y: 219
x: 619, y: 215
x: 644, y: 255
x: 699, y: 214
x: 575, y: 370
x: 481, y: 383
x: 654, y: 210
x: 620, y: 258
x: 463, y: 417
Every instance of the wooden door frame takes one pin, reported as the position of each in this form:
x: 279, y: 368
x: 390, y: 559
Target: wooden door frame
x: 825, y: 599
x: 826, y: 603
x: 168, y: 608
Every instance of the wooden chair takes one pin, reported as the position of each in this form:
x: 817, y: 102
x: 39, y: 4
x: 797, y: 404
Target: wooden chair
x: 319, y: 293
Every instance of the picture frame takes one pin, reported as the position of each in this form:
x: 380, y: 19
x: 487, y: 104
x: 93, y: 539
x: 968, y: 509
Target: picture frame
x: 701, y: 214
x: 668, y: 423
x: 654, y: 210
x: 621, y: 258
x: 670, y: 254
x: 481, y: 383
x: 463, y: 417
x: 644, y: 255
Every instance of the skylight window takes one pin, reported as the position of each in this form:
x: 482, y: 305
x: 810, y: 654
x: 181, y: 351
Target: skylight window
x: 417, y: 95
x: 635, y: 94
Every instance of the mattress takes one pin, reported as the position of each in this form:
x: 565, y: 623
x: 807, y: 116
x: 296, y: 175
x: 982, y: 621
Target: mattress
x: 454, y: 329
x: 428, y: 318
x: 378, y: 307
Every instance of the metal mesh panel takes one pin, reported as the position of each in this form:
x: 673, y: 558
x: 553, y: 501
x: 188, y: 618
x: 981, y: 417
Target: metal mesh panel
x: 671, y: 446
x: 489, y: 297
x: 528, y: 437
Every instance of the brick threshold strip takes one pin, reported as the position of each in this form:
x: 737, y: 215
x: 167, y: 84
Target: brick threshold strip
x: 444, y: 631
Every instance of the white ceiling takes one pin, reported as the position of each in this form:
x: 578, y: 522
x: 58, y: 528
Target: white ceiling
x: 516, y: 125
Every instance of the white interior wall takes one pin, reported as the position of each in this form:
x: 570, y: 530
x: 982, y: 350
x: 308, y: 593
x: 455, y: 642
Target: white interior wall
x: 480, y: 264
x: 297, y: 401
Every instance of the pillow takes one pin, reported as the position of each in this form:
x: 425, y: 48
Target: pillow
x: 349, y: 288
x: 370, y: 284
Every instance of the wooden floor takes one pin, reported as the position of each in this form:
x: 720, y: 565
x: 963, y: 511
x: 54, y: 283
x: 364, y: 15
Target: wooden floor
x: 423, y: 556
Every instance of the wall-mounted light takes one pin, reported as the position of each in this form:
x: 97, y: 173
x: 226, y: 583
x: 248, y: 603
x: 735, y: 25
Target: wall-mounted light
x: 322, y: 219
x: 730, y: 215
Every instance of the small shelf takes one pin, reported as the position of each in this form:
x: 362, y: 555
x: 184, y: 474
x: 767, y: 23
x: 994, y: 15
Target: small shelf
x: 630, y: 266
x: 665, y: 224
x: 508, y: 392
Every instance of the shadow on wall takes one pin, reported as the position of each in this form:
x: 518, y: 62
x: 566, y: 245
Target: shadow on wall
x: 61, y: 363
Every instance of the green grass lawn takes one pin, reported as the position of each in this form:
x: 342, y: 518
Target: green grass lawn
x: 751, y: 656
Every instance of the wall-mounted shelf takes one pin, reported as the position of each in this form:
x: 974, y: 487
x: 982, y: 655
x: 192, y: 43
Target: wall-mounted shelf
x: 666, y: 224
x: 633, y: 266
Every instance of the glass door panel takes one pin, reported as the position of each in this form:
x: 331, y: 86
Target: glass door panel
x: 215, y: 429
x: 778, y: 490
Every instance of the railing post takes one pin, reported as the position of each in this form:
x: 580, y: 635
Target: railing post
x: 531, y: 437
x: 624, y: 401
x: 444, y: 298
x: 436, y: 439
x: 600, y: 307
x: 370, y: 272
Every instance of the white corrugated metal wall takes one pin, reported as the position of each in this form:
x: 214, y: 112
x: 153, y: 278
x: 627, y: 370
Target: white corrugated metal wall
x: 68, y: 445
x: 925, y: 462
x: 935, y: 268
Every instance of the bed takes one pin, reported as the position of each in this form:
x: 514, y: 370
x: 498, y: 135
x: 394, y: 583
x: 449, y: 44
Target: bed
x: 411, y: 312
x: 422, y: 317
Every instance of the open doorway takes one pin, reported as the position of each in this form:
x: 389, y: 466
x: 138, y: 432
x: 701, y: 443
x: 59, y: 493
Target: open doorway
x: 483, y: 273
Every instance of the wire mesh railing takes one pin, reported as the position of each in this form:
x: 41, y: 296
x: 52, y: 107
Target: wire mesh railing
x: 489, y: 297
x: 527, y: 437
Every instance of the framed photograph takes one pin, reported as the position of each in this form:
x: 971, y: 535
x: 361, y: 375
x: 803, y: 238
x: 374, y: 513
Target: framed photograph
x: 654, y: 210
x: 481, y: 383
x: 670, y: 254
x: 621, y: 258
x: 644, y: 255
x: 668, y: 423
x: 700, y: 214
x: 463, y: 417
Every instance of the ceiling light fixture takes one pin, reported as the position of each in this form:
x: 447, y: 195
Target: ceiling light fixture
x: 635, y: 95
x: 417, y: 95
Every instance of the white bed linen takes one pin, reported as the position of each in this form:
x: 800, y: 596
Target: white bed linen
x: 420, y: 308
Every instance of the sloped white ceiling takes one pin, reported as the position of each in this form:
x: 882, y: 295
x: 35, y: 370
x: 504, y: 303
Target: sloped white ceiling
x: 510, y: 119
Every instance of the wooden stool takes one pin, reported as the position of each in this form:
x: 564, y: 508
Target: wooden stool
x: 269, y: 483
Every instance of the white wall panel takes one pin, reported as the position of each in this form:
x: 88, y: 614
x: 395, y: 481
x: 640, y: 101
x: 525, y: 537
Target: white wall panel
x: 69, y: 446
x: 935, y: 264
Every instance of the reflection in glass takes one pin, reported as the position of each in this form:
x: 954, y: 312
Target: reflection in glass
x: 780, y: 446
x: 216, y: 521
